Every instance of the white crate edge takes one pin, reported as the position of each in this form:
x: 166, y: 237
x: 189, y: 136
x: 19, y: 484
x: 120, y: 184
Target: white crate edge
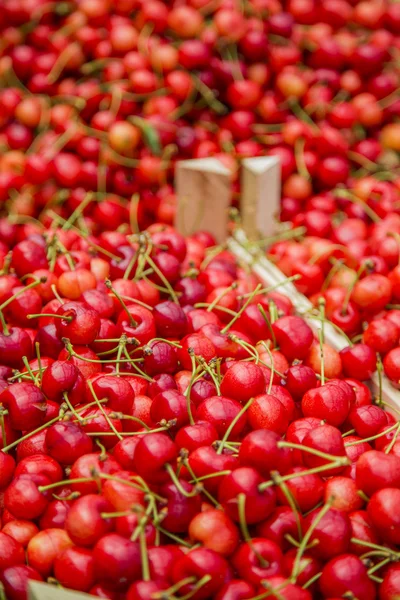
x: 271, y: 275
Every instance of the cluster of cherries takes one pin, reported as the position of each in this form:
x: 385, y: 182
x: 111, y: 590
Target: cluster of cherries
x: 170, y: 429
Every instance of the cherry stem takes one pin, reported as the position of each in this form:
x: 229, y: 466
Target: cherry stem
x: 245, y: 305
x: 144, y: 555
x: 373, y: 437
x: 178, y: 485
x: 195, y: 373
x: 347, y: 195
x: 105, y: 415
x: 174, y: 588
x: 232, y: 425
x: 220, y: 296
x: 165, y: 281
x: 197, y: 480
x: 109, y: 285
x: 276, y: 477
x: 268, y: 323
x: 312, y: 580
x: 307, y: 536
x: 4, y: 325
x: 299, y: 158
x: 294, y: 446
x: 201, y: 583
x: 22, y: 291
x: 392, y: 443
x: 343, y: 462
x: 51, y: 315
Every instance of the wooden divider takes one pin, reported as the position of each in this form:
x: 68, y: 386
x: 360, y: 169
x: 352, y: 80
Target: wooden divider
x: 44, y: 591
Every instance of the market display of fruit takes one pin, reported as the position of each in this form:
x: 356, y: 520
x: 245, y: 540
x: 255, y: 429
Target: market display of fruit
x: 170, y: 427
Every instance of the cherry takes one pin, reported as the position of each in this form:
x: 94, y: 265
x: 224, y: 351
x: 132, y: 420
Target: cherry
x: 293, y: 336
x: 21, y: 531
x: 63, y: 377
x: 116, y: 560
x: 86, y: 466
x: 333, y: 532
x: 84, y: 523
x: 326, y: 439
x: 79, y: 323
x: 24, y: 497
x: 74, y: 569
x: 260, y: 450
x: 331, y: 402
x: 376, y: 470
x: 243, y: 381
x: 358, y: 361
x: 268, y: 412
x: 66, y: 442
x: 300, y: 379
x: 44, y: 548
x: 15, y: 580
x: 245, y: 482
x: 155, y: 450
x: 390, y: 585
x: 220, y: 412
x: 205, y: 461
x: 200, y: 563
x: 346, y: 574
x: 141, y: 590
x: 11, y: 551
x: 40, y: 464
x: 191, y: 437
x: 258, y: 560
x: 236, y: 589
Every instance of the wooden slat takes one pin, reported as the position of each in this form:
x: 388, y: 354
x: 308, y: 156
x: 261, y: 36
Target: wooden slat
x: 204, y: 193
x: 260, y: 198
x: 44, y: 591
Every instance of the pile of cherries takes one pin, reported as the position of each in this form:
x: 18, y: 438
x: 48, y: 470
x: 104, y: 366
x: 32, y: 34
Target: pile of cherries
x: 106, y: 96
x: 170, y: 429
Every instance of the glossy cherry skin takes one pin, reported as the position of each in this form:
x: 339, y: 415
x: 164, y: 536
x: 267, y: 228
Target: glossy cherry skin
x: 191, y: 437
x: 116, y: 560
x: 282, y: 521
x: 333, y: 532
x: 376, y: 470
x: 170, y: 320
x: 383, y: 515
x: 215, y: 530
x: 259, y: 449
x: 325, y: 439
x: 248, y: 564
x: 115, y: 390
x: 220, y: 411
x: 155, y: 450
x: 236, y: 589
x: 74, y: 569
x: 346, y: 573
x: 391, y: 583
x: 141, y: 590
x: 40, y: 464
x: 11, y: 551
x: 358, y: 361
x: 86, y: 465
x: 14, y: 346
x: 330, y: 402
x: 24, y: 498
x: 206, y: 461
x: 20, y: 530
x: 293, y: 336
x: 142, y: 328
x: 180, y: 509
x: 66, y: 442
x: 81, y: 324
x: 44, y: 548
x: 61, y: 377
x: 170, y: 405
x: 84, y: 523
x: 197, y: 563
x: 7, y: 469
x: 246, y: 480
x: 243, y: 381
x: 15, y: 580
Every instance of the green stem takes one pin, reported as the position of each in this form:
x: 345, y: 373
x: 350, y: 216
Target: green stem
x: 232, y: 425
